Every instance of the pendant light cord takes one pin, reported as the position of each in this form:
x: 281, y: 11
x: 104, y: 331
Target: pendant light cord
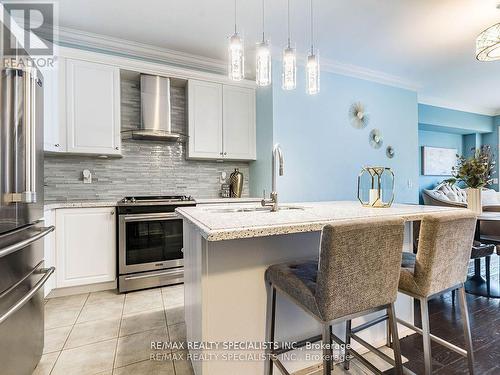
x: 312, y: 30
x: 235, y: 30
x: 288, y: 21
x: 263, y: 22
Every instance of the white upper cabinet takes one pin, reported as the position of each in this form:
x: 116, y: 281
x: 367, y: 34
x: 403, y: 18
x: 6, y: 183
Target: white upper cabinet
x: 85, y: 246
x: 54, y: 131
x: 204, y: 119
x: 92, y: 108
x: 221, y: 121
x: 239, y: 122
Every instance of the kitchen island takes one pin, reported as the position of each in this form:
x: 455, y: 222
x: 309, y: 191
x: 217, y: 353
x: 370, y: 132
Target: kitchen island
x: 226, y: 252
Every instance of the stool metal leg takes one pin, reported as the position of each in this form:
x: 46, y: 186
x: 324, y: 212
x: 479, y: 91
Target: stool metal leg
x: 348, y: 326
x: 426, y: 331
x: 398, y: 368
x: 488, y: 274
x: 327, y: 349
x: 270, y: 325
x: 466, y: 325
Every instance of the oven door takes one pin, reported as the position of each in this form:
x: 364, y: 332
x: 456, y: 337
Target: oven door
x: 149, y: 241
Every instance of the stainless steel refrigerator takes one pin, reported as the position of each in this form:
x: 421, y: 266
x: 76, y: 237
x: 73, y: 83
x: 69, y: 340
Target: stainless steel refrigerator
x: 22, y: 270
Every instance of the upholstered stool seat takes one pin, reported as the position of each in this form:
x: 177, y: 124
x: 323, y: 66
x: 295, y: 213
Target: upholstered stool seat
x: 481, y: 250
x: 356, y: 274
x: 298, y: 280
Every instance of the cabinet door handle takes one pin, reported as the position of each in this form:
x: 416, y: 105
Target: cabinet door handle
x: 117, y: 148
x: 57, y: 145
x: 225, y: 153
x: 112, y: 212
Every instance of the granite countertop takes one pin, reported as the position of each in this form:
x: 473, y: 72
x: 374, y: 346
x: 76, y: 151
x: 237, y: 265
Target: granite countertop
x: 108, y: 203
x: 216, y: 224
x: 226, y: 200
x: 79, y: 204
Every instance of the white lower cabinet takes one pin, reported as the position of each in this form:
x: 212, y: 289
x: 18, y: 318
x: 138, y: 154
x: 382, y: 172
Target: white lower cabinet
x: 85, y: 246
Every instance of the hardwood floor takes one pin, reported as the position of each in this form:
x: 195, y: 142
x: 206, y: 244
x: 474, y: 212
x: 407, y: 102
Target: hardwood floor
x: 445, y: 322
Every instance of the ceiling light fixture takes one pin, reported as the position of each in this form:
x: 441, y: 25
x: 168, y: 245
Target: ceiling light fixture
x: 289, y: 77
x: 236, y: 54
x: 312, y: 64
x: 488, y: 43
x: 263, y: 63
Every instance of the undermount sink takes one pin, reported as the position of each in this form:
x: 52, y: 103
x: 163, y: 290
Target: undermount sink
x: 252, y: 209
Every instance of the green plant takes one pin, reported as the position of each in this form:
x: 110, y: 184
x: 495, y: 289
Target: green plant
x: 476, y: 171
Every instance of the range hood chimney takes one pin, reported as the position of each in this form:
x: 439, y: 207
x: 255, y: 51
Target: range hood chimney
x: 156, y: 124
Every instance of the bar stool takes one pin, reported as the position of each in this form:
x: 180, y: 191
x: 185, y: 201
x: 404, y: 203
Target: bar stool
x: 440, y: 266
x: 357, y: 274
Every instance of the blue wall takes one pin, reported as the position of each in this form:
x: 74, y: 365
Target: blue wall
x: 435, y: 139
x: 450, y: 120
x: 324, y: 153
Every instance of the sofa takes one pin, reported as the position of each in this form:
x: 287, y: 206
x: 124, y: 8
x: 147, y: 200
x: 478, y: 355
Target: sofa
x: 445, y: 194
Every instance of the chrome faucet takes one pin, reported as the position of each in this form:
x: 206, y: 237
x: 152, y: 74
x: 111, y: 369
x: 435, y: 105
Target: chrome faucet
x: 273, y: 201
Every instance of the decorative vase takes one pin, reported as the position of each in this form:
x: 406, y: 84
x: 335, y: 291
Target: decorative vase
x: 236, y: 181
x: 376, y: 187
x: 474, y: 200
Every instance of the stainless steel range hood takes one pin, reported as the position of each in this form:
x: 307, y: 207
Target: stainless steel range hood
x: 156, y: 124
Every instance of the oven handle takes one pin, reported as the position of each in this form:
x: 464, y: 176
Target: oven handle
x: 151, y: 217
x: 147, y: 217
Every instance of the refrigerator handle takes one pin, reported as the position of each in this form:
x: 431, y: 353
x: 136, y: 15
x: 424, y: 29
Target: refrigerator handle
x: 30, y: 82
x: 22, y: 244
x: 22, y: 301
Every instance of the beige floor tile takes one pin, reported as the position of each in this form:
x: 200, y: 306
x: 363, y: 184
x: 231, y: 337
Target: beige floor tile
x: 175, y: 314
x: 46, y: 364
x: 173, y: 295
x: 105, y: 296
x: 183, y: 365
x: 55, y: 339
x: 137, y: 347
x: 147, y: 368
x: 92, y: 332
x: 86, y: 360
x: 177, y: 332
x: 142, y: 301
x: 142, y: 321
x: 58, y: 316
x: 100, y: 311
x: 76, y: 300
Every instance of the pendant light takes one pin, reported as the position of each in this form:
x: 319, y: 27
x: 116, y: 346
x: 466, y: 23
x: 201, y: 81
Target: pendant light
x: 488, y: 43
x: 236, y: 54
x: 263, y: 62
x: 312, y: 64
x: 289, y: 77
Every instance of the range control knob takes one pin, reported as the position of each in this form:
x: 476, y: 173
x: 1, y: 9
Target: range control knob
x: 124, y: 200
x: 132, y: 200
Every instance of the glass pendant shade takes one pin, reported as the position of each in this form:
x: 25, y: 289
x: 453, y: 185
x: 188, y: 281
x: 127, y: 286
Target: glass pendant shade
x: 263, y: 64
x: 488, y: 44
x: 236, y: 58
x: 289, y: 69
x: 312, y: 74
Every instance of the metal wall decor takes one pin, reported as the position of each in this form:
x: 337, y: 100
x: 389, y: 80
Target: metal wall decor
x: 390, y: 152
x: 375, y: 139
x: 358, y: 116
x: 376, y: 187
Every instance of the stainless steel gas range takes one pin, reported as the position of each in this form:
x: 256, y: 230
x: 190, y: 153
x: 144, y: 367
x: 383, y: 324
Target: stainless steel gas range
x: 150, y: 241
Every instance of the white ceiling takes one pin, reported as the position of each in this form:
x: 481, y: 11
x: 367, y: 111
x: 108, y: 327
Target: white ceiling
x: 428, y: 43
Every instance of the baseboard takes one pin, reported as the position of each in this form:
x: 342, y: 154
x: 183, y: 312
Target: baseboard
x: 63, y: 292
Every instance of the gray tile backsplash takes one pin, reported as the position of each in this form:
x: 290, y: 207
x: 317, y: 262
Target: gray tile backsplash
x: 146, y: 168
